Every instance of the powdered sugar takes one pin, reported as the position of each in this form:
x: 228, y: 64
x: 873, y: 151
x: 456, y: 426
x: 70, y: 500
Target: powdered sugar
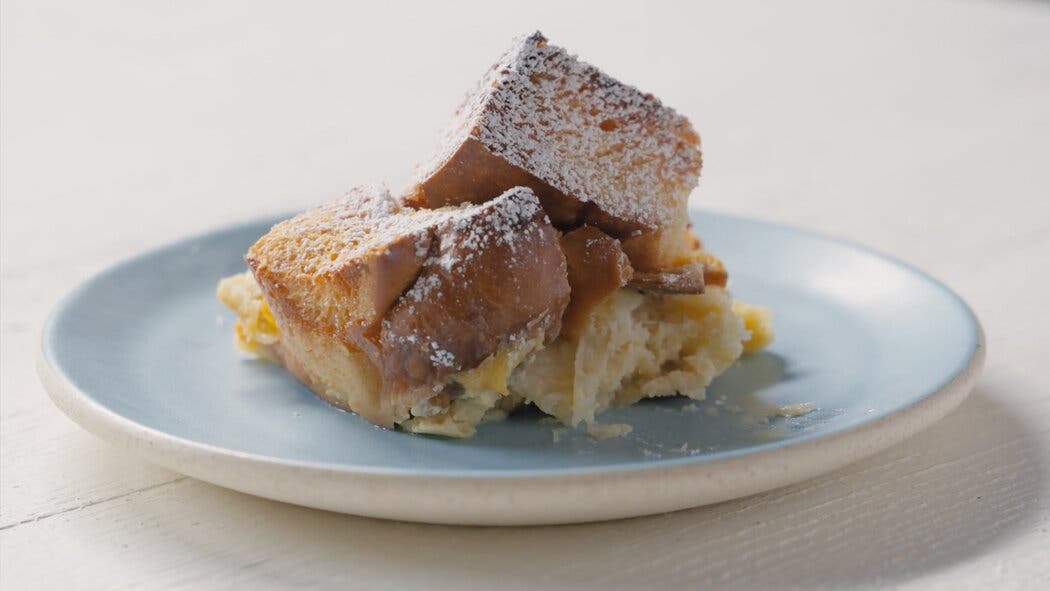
x: 500, y: 221
x: 582, y: 132
x: 462, y: 235
x: 362, y: 240
x: 441, y: 357
x: 368, y: 221
x: 423, y: 288
x: 465, y: 246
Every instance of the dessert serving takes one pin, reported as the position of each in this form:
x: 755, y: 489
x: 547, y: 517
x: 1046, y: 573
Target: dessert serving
x: 542, y: 256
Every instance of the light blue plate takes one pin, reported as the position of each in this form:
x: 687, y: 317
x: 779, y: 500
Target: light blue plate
x: 142, y: 355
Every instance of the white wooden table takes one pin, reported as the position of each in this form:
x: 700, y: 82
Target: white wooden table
x: 919, y: 128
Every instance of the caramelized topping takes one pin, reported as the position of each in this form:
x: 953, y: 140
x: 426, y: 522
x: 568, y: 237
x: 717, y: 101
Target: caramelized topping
x: 685, y: 279
x: 594, y: 150
x: 491, y: 277
x: 597, y: 267
x: 423, y: 293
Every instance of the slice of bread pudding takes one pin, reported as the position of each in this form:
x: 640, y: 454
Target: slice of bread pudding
x: 544, y: 256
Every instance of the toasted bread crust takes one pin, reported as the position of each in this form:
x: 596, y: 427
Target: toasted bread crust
x: 339, y: 267
x: 595, y: 150
x: 496, y: 276
x: 422, y: 293
x: 597, y: 268
x: 687, y: 278
x: 473, y: 173
x: 544, y: 255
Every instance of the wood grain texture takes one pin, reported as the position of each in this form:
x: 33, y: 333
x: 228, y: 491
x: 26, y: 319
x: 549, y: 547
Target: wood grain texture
x: 918, y: 129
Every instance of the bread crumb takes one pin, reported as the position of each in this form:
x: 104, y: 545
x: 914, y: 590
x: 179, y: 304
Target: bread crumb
x: 794, y: 410
x: 602, y: 432
x: 758, y: 321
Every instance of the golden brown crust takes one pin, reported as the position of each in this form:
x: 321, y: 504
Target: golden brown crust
x: 473, y: 174
x: 338, y: 267
x: 422, y: 293
x: 417, y: 310
x: 502, y: 276
x: 594, y: 150
x: 597, y: 268
x: 688, y: 278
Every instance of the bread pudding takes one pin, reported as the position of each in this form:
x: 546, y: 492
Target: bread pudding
x: 543, y: 256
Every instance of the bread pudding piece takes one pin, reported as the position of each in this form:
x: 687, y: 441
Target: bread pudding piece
x: 634, y: 345
x: 385, y: 310
x: 543, y: 256
x: 472, y: 337
x: 593, y: 149
x: 628, y: 335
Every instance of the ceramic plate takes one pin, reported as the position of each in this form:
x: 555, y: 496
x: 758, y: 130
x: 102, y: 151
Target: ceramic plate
x: 142, y: 356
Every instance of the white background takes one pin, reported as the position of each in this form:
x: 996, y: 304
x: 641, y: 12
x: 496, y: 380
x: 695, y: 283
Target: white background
x: 918, y: 128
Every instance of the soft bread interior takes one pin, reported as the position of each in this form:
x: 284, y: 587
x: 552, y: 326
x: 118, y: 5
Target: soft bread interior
x: 634, y: 345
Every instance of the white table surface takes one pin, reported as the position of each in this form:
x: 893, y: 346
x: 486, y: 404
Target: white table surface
x: 919, y: 128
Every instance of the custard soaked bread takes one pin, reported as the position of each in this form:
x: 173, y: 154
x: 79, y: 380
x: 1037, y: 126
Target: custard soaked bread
x: 380, y: 306
x: 594, y: 150
x: 544, y: 257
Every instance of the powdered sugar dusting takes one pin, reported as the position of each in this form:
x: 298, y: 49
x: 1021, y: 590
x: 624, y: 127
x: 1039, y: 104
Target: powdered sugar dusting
x: 319, y: 246
x: 465, y: 233
x: 368, y: 220
x: 402, y: 285
x: 422, y: 288
x: 441, y: 357
x: 365, y: 222
x: 582, y: 132
x: 501, y: 221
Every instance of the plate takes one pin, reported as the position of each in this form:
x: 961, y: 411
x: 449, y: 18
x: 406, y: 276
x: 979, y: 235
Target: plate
x: 142, y: 356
